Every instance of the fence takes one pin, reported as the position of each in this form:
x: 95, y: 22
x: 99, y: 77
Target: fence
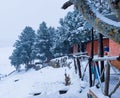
x: 96, y: 74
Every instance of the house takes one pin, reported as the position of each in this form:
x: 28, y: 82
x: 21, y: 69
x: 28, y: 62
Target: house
x: 114, y: 48
x: 114, y: 51
x: 78, y: 48
x: 105, y: 46
x: 110, y: 47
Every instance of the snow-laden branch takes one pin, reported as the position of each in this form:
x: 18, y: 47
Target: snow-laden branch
x: 115, y: 6
x: 105, y: 26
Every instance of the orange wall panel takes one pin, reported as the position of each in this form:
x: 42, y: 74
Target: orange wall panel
x: 88, y: 46
x: 114, y: 48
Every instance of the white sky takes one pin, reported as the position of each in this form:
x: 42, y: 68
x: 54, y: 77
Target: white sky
x: 16, y: 14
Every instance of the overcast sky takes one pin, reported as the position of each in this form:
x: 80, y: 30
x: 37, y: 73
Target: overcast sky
x: 16, y: 14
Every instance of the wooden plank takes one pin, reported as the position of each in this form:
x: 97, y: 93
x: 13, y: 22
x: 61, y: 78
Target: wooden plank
x: 81, y: 56
x: 115, y: 63
x: 105, y: 58
x: 92, y: 94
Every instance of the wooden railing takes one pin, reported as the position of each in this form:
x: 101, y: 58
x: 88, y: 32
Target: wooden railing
x: 96, y: 71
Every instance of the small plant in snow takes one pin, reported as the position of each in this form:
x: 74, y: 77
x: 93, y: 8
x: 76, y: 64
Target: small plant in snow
x: 67, y: 79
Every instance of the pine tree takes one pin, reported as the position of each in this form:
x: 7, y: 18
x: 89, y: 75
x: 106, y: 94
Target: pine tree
x: 62, y: 44
x: 16, y: 59
x: 22, y: 53
x: 43, y: 43
x: 72, y: 30
x: 52, y: 40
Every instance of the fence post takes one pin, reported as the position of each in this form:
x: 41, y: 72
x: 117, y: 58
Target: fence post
x: 90, y: 59
x: 107, y: 79
x: 79, y: 68
x: 101, y: 54
x: 75, y: 66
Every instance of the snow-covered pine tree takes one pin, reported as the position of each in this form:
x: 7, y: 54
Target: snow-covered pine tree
x: 15, y: 58
x: 43, y: 43
x: 52, y: 40
x: 22, y: 53
x: 62, y: 45
x: 73, y: 30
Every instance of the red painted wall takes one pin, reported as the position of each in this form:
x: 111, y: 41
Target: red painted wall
x: 114, y: 51
x: 88, y: 46
x: 114, y: 48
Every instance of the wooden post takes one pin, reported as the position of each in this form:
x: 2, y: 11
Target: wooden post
x: 79, y: 68
x: 92, y: 94
x: 84, y: 71
x: 116, y: 87
x: 90, y: 60
x: 75, y: 66
x: 92, y: 45
x: 107, y: 79
x: 101, y: 54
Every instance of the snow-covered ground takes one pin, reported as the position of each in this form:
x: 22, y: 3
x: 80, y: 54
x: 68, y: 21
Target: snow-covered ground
x: 5, y: 66
x: 46, y: 83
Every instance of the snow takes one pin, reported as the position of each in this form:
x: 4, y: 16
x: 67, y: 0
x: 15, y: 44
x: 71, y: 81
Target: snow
x: 5, y: 66
x: 107, y: 20
x: 46, y: 83
x: 98, y: 92
x: 104, y: 19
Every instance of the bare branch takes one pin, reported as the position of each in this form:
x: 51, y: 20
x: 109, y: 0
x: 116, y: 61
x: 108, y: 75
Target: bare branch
x: 67, y: 4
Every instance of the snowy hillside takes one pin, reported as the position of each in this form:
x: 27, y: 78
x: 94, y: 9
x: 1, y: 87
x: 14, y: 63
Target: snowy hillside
x: 45, y: 83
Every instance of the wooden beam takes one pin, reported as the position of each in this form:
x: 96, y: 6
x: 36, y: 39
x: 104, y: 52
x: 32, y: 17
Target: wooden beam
x: 101, y: 54
x: 114, y: 90
x: 79, y: 68
x: 105, y: 58
x: 92, y: 94
x: 75, y: 65
x: 107, y: 80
